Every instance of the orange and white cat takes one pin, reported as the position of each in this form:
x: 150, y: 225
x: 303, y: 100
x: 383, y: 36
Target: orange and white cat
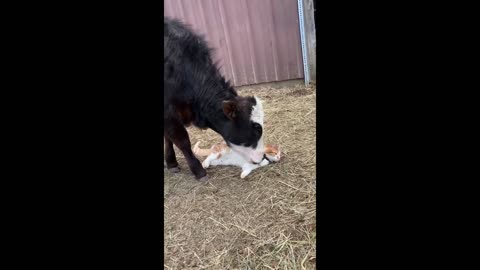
x: 221, y: 154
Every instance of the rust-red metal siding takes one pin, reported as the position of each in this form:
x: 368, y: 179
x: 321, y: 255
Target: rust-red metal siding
x: 255, y: 41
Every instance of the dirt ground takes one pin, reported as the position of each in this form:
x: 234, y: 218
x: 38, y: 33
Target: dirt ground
x: 265, y: 221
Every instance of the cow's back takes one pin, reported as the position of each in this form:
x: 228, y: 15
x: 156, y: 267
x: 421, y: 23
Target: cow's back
x: 186, y: 56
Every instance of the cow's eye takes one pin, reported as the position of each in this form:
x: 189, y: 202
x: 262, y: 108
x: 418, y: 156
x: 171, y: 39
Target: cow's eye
x: 257, y: 129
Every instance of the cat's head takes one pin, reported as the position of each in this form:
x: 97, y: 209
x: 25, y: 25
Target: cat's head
x: 272, y: 151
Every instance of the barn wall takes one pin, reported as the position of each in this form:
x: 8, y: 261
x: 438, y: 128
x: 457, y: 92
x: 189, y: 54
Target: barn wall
x: 254, y: 41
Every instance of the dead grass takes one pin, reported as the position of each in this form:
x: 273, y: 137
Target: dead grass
x: 265, y: 221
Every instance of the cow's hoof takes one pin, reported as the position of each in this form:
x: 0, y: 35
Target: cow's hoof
x: 203, y: 179
x: 174, y: 170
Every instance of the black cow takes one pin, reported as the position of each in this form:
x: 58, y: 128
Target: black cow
x: 195, y: 92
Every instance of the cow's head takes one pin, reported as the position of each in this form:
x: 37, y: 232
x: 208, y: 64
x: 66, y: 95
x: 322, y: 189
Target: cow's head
x: 243, y: 131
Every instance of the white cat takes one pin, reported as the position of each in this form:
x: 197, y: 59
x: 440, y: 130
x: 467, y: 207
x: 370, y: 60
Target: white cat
x: 221, y: 154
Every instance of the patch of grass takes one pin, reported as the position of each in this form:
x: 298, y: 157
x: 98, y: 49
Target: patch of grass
x: 265, y: 221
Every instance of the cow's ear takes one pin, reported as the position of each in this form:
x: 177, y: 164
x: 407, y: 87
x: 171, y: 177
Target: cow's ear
x: 230, y: 109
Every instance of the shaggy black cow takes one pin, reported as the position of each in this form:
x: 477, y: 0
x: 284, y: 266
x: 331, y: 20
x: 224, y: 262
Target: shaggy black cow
x: 195, y: 92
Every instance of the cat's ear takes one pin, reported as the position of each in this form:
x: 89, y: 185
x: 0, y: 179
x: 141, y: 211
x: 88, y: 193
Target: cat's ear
x: 230, y: 109
x: 276, y: 148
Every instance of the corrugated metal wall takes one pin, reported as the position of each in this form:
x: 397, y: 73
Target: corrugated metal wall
x: 255, y: 41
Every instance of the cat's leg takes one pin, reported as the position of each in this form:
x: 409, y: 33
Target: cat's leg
x: 208, y: 161
x: 216, y: 162
x: 247, y: 169
x: 264, y: 162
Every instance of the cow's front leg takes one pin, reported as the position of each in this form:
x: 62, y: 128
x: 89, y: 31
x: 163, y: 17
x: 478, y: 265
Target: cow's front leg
x: 171, y: 160
x: 179, y: 136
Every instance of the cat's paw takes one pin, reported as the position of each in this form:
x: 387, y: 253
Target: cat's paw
x: 244, y: 174
x: 205, y: 165
x: 264, y: 162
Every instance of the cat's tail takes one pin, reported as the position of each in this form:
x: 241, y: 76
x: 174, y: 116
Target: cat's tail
x: 201, y: 152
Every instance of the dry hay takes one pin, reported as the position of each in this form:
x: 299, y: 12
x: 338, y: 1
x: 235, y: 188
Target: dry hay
x: 265, y: 221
